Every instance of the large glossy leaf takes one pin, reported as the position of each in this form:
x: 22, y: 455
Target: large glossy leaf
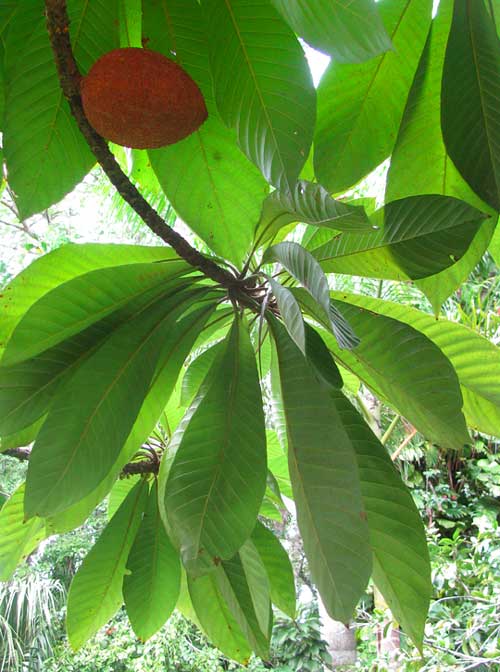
x: 277, y: 463
x: 476, y: 361
x: 470, y: 99
x: 263, y: 86
x: 96, y: 590
x: 216, y: 618
x: 73, y: 306
x: 278, y: 568
x: 311, y: 204
x: 45, y: 152
x: 290, y: 313
x: 413, y: 374
x: 62, y: 265
x: 401, y: 566
x: 152, y: 587
x: 360, y: 106
x: 93, y: 415
x: 17, y: 536
x: 325, y: 483
x: 420, y: 163
x: 220, y: 195
x: 416, y: 237
x: 349, y: 30
x: 213, y: 477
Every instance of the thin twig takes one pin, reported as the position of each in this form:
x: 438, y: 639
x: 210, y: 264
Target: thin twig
x: 403, y: 445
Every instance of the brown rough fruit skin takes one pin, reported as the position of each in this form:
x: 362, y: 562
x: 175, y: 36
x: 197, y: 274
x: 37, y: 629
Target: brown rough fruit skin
x: 139, y: 98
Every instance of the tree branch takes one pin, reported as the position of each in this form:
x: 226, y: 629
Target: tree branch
x: 70, y: 77
x: 149, y: 465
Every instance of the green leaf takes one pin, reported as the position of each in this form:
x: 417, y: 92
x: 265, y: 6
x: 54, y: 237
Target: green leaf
x: 18, y: 537
x: 325, y: 483
x: 95, y: 594
x: 152, y: 587
x: 62, y: 265
x: 348, y: 30
x: 216, y: 619
x: 470, y: 99
x: 22, y: 438
x: 130, y: 13
x: 321, y: 360
x: 263, y: 86
x: 175, y: 349
x: 243, y: 584
x: 211, y: 504
x: 333, y: 321
x: 290, y: 313
x: 45, y: 152
x: 93, y: 415
x: 304, y: 268
x: 360, y: 106
x: 475, y: 360
x: 119, y: 492
x: 417, y: 236
x: 421, y: 165
x: 197, y: 372
x: 27, y: 388
x: 401, y: 566
x: 311, y: 204
x: 277, y: 463
x: 278, y: 567
x: 412, y: 374
x: 219, y: 196
x: 71, y: 307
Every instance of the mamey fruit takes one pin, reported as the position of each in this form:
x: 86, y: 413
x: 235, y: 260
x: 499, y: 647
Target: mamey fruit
x: 139, y: 98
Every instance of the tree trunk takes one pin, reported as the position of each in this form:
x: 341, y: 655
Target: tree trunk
x: 341, y: 640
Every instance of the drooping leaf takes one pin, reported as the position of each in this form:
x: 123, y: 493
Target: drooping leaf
x: 470, y: 99
x: 304, y: 268
x: 277, y: 463
x: 196, y: 372
x: 95, y: 593
x: 45, y: 152
x: 321, y: 360
x: 325, y: 483
x: 27, y: 388
x: 244, y: 586
x: 290, y: 312
x: 311, y: 204
x: 348, y: 30
x: 175, y: 350
x: 475, y: 360
x: 219, y: 196
x: 62, y: 265
x: 17, y: 536
x: 278, y: 567
x: 420, y: 163
x: 263, y: 86
x: 333, y: 321
x: 78, y: 303
x: 417, y: 236
x: 413, y: 374
x: 401, y: 566
x: 92, y: 416
x: 216, y: 619
x: 213, y: 477
x: 152, y: 587
x: 119, y: 492
x: 22, y: 438
x: 360, y: 106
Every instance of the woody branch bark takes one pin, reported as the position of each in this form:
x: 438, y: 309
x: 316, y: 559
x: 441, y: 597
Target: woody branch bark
x: 69, y: 77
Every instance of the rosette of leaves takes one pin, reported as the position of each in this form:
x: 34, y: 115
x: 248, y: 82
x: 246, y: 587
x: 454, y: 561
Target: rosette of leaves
x: 138, y: 371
